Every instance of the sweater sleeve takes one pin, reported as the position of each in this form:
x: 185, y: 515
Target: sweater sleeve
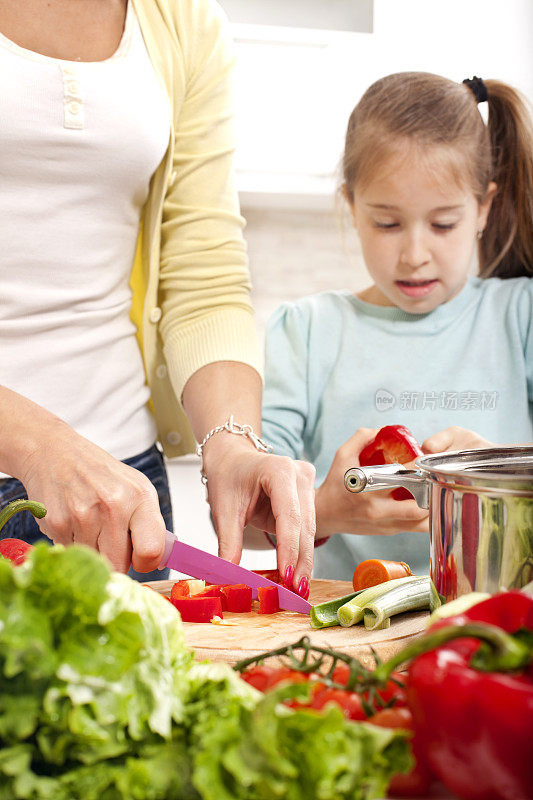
x: 285, y: 397
x: 525, y: 315
x: 204, y: 279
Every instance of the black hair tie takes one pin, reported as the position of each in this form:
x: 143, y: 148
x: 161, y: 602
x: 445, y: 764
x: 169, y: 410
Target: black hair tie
x: 478, y: 88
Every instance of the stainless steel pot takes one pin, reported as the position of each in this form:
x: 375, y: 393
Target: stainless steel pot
x: 481, y: 514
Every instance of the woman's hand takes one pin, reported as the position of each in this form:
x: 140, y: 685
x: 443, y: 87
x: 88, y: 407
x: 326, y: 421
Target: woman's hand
x: 271, y: 493
x: 93, y: 499
x: 454, y: 438
x: 90, y: 497
x: 340, y: 511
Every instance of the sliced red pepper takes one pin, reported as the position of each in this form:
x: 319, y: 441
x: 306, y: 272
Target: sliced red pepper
x: 216, y: 590
x: 268, y: 600
x: 238, y: 597
x: 198, y: 609
x: 392, y: 444
x: 271, y: 575
x: 185, y: 588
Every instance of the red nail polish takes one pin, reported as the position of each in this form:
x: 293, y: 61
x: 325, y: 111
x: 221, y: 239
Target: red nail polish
x: 289, y: 575
x: 303, y: 588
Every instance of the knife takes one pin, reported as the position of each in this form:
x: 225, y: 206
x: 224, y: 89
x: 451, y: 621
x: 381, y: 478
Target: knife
x: 192, y: 561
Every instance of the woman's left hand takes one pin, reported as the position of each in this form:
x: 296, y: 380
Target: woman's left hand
x: 269, y: 492
x: 454, y: 438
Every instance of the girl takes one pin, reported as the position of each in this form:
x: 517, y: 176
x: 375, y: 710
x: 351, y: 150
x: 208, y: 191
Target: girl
x: 426, y: 345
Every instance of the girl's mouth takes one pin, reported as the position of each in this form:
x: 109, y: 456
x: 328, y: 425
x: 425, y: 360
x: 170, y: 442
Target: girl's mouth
x: 416, y: 288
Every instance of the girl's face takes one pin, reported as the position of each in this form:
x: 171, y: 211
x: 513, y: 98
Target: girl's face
x: 418, y: 235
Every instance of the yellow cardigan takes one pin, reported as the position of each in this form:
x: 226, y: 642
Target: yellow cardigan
x: 190, y: 279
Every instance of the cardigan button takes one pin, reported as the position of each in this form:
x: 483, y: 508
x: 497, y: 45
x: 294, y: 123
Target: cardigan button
x: 155, y: 314
x: 161, y: 371
x: 173, y: 437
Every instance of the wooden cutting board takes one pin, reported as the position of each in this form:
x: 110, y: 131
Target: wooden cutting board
x: 248, y: 634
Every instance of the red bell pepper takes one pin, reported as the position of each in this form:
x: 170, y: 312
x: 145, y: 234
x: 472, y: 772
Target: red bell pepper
x: 268, y: 600
x: 215, y: 590
x: 186, y: 588
x: 238, y: 597
x: 198, y: 609
x: 470, y: 690
x: 392, y: 444
x: 16, y: 550
x: 271, y: 575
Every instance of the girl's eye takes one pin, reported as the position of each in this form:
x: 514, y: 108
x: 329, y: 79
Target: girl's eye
x: 387, y: 226
x: 440, y: 226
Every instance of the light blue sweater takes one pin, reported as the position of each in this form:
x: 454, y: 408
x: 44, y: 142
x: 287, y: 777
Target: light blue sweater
x: 335, y: 364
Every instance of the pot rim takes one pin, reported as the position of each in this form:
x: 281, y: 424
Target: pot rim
x: 490, y: 466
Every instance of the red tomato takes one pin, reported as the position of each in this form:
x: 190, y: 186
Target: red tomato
x: 417, y: 782
x: 341, y: 673
x: 285, y: 674
x: 394, y: 692
x: 393, y: 718
x: 349, y: 702
x: 258, y: 676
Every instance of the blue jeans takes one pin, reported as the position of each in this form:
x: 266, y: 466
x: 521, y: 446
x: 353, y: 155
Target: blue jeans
x: 24, y: 525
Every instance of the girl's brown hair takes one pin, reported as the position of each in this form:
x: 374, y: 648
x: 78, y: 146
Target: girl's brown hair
x: 423, y: 110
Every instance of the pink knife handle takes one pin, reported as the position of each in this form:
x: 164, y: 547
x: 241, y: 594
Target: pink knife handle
x: 170, y: 538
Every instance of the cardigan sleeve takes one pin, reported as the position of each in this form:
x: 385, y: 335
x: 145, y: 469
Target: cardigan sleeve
x: 204, y: 280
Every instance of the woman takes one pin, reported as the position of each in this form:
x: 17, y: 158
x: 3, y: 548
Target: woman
x: 116, y: 118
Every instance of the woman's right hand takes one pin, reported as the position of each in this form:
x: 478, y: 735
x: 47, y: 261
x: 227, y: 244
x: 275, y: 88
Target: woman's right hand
x: 91, y: 498
x: 340, y: 511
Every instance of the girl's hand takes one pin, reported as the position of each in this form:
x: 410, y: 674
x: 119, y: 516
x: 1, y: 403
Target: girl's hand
x: 340, y: 511
x: 93, y: 499
x: 271, y: 493
x: 454, y: 438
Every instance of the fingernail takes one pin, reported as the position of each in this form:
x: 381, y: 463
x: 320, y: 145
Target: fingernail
x: 303, y: 588
x: 289, y: 575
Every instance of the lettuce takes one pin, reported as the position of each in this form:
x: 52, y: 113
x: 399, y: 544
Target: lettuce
x: 100, y: 700
x: 265, y: 750
x: 93, y: 671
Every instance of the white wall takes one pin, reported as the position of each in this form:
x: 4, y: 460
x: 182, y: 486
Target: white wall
x: 296, y: 88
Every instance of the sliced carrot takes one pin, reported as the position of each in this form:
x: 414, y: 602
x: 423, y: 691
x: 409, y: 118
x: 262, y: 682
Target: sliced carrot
x: 378, y: 570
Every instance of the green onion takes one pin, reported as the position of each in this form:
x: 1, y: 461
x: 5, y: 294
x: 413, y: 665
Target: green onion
x: 371, y: 623
x: 457, y: 606
x: 324, y: 615
x: 410, y: 597
x: 353, y: 611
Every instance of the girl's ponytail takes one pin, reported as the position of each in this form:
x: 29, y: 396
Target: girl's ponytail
x: 506, y: 248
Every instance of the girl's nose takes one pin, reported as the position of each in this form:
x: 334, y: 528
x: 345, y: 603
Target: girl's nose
x: 414, y: 253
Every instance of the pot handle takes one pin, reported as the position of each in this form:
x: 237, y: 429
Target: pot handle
x: 388, y: 476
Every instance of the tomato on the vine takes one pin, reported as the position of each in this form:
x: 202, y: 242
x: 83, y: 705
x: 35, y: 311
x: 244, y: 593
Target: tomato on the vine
x: 258, y: 676
x: 349, y: 702
x: 417, y: 782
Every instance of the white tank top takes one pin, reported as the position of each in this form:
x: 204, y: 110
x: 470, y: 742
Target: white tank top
x: 79, y: 142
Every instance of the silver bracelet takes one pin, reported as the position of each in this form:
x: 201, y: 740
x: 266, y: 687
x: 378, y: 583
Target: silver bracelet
x: 241, y: 430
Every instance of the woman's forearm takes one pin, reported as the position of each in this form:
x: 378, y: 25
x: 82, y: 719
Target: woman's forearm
x: 24, y: 425
x: 271, y: 493
x: 217, y: 390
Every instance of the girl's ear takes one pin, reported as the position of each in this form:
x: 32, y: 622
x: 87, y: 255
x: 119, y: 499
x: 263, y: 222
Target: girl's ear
x: 484, y: 206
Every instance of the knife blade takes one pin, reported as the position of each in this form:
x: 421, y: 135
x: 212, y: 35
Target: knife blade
x: 199, y: 564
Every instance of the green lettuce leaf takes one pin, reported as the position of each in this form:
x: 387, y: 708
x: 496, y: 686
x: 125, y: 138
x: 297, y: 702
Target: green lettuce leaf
x: 269, y: 751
